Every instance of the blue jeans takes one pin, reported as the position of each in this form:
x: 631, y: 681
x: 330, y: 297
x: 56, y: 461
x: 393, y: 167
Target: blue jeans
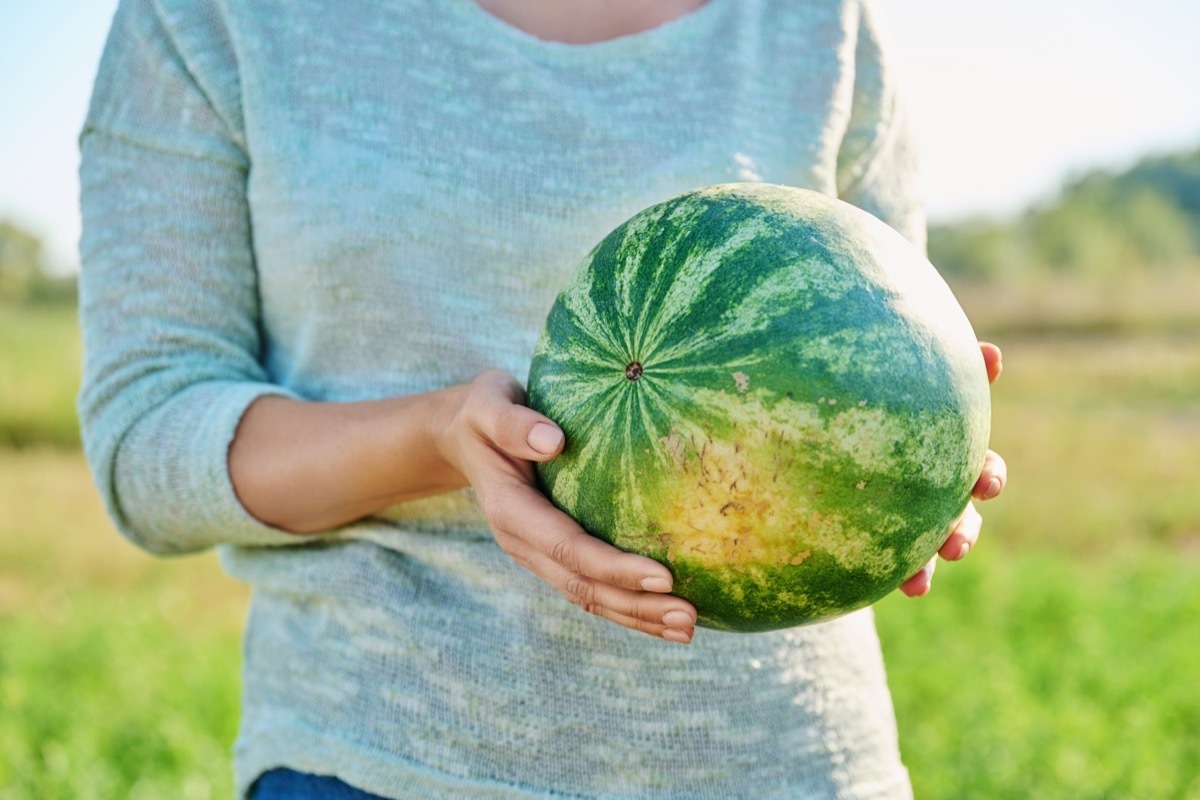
x: 285, y: 784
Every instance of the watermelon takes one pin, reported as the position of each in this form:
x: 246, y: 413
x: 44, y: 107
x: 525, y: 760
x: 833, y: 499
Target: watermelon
x: 769, y: 391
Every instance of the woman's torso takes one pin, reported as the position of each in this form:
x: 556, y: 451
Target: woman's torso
x: 424, y: 177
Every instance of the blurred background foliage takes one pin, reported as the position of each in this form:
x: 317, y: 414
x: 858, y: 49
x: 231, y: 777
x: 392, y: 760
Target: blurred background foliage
x: 24, y: 277
x: 1144, y: 221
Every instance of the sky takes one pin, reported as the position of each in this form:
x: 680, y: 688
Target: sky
x: 1010, y: 98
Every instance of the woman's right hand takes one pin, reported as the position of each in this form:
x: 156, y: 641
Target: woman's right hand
x: 492, y: 439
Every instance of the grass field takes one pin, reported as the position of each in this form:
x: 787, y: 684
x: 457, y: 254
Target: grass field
x: 1058, y: 661
x: 118, y: 673
x: 39, y: 360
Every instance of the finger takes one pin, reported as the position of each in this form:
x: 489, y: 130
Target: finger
x: 648, y: 612
x: 682, y: 635
x: 515, y: 429
x: 576, y: 551
x: 992, y: 478
x: 964, y: 536
x: 992, y: 359
x: 529, y: 527
x: 523, y: 433
x: 919, y: 585
x: 562, y: 559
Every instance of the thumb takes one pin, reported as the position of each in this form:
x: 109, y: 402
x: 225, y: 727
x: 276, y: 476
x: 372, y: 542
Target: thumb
x: 546, y: 439
x: 523, y: 433
x: 494, y: 409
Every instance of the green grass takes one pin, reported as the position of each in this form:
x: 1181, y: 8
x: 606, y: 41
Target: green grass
x: 40, y: 356
x: 118, y: 673
x: 1038, y: 675
x: 103, y: 699
x: 1058, y: 661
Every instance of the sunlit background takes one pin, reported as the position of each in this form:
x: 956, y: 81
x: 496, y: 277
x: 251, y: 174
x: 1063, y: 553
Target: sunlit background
x: 1061, y: 151
x: 1010, y: 97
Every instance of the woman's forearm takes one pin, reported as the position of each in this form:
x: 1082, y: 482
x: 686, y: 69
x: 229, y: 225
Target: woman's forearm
x: 306, y: 467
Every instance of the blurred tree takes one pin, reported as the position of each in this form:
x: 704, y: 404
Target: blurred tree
x: 23, y: 274
x: 1176, y: 177
x: 20, y: 262
x: 1101, y: 225
x: 1104, y: 225
x: 981, y: 249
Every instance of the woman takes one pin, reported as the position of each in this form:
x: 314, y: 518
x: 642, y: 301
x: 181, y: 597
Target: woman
x: 319, y: 243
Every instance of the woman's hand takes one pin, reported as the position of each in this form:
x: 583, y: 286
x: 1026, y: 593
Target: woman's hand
x: 492, y: 440
x: 308, y: 467
x: 991, y: 483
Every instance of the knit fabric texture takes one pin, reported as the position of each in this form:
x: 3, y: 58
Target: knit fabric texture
x: 340, y: 201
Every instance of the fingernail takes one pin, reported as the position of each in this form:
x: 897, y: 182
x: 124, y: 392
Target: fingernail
x: 673, y: 635
x: 993, y: 489
x: 963, y: 549
x: 656, y: 584
x: 678, y: 619
x: 544, y: 438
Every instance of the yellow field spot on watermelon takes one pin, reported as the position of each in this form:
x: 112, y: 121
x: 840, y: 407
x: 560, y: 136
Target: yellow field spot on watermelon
x: 738, y: 503
x: 725, y: 507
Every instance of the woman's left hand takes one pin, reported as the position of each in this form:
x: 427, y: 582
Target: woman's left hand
x: 990, y: 484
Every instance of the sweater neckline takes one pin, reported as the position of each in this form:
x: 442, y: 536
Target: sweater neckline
x: 479, y: 22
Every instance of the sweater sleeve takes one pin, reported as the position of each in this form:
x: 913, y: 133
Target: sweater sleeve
x: 168, y: 292
x: 877, y: 166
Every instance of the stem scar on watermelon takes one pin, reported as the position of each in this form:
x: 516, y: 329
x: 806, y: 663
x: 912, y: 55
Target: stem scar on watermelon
x: 769, y: 391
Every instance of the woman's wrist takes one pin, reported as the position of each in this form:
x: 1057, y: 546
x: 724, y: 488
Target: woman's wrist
x: 444, y: 425
x: 307, y: 467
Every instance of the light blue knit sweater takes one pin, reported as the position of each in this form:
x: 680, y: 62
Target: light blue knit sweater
x: 359, y: 199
